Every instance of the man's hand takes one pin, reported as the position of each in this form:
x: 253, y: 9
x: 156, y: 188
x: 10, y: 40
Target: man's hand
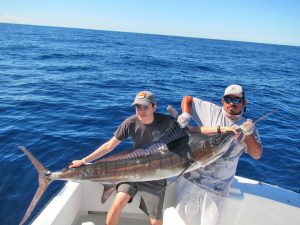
x: 183, y: 119
x: 228, y: 129
x: 77, y: 163
x: 248, y: 127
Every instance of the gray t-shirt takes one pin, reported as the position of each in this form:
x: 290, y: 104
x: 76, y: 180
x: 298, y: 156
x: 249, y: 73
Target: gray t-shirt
x: 217, y: 176
x: 142, y: 134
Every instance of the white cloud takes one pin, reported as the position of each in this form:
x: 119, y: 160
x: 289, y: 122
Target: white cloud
x: 8, y: 18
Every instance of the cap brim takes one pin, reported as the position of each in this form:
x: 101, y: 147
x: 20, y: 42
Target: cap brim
x: 145, y: 103
x: 237, y: 95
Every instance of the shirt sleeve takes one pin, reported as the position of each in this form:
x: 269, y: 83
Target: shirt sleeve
x: 203, y: 112
x: 123, y: 130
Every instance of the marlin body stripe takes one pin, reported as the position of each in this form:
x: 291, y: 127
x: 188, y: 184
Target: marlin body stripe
x: 176, y: 151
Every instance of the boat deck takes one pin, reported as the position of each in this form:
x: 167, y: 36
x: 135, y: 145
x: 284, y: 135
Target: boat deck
x: 97, y: 218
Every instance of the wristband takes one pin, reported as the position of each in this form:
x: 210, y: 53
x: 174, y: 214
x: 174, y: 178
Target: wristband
x: 84, y: 161
x: 219, y: 129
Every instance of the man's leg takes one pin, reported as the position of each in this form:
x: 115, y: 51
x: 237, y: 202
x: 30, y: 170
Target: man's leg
x: 155, y: 222
x: 115, y: 210
x: 152, y: 200
x: 189, y: 201
x: 212, y: 208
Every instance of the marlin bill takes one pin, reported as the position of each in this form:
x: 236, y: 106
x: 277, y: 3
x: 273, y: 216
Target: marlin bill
x: 176, y: 152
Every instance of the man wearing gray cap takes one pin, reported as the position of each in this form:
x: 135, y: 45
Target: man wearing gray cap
x: 143, y: 128
x: 201, y: 193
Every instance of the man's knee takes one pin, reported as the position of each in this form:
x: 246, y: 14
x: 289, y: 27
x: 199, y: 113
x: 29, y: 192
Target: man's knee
x: 155, y: 222
x: 120, y: 201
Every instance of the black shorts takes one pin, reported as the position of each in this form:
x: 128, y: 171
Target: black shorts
x: 152, y: 196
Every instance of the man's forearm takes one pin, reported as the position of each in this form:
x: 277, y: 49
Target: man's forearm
x: 254, y: 148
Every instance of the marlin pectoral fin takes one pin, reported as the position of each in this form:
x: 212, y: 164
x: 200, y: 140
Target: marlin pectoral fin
x: 108, y: 190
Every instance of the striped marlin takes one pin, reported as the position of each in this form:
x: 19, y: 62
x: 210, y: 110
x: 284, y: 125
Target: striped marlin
x: 176, y: 152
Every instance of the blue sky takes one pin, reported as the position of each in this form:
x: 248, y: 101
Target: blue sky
x: 264, y: 21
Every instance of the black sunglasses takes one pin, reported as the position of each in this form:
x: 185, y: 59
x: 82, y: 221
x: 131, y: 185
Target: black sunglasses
x: 228, y: 100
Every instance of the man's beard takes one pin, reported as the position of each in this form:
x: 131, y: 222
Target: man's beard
x: 232, y: 111
x: 233, y: 115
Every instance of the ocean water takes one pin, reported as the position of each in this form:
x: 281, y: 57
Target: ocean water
x: 63, y: 92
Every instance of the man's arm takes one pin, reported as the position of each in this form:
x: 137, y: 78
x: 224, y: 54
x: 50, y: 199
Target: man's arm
x: 211, y: 130
x: 102, y: 150
x: 254, y: 147
x: 186, y: 105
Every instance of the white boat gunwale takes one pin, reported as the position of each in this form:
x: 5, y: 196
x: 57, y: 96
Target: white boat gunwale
x: 249, y: 202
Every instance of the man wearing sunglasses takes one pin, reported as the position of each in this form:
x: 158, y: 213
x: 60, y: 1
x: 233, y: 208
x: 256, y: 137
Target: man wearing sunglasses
x: 201, y: 193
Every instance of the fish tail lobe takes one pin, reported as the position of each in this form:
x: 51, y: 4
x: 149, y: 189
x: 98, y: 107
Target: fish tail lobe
x: 44, y: 181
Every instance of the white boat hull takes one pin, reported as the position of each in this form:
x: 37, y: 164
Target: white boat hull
x: 250, y: 202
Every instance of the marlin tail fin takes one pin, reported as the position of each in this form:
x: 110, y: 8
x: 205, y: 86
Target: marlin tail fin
x: 44, y: 181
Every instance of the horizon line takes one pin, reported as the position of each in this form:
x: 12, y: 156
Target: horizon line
x: 135, y: 32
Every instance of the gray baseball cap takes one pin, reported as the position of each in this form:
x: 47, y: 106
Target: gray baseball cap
x: 144, y: 98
